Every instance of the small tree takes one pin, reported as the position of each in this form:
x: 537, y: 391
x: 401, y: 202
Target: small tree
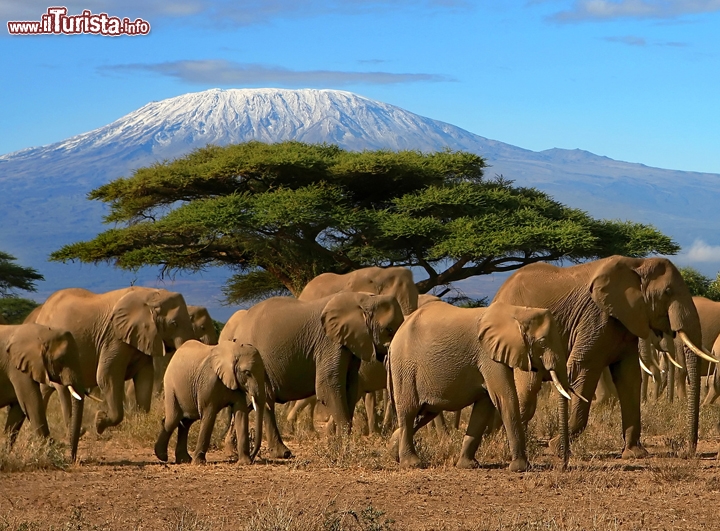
x: 15, y: 309
x: 15, y: 277
x: 280, y: 214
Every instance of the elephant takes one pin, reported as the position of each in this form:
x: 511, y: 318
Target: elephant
x: 445, y: 358
x: 395, y: 281
x: 30, y: 355
x: 118, y: 333
x: 315, y: 347
x: 200, y: 381
x: 203, y: 331
x: 203, y: 325
x: 373, y: 376
x: 602, y: 308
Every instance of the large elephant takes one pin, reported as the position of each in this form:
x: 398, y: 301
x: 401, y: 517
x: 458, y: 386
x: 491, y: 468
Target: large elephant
x: 200, y: 381
x: 373, y: 376
x: 603, y: 307
x: 315, y: 347
x: 118, y: 333
x: 395, y: 281
x: 445, y: 358
x: 31, y: 355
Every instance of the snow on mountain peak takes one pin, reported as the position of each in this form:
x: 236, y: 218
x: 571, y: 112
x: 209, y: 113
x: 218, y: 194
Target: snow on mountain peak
x: 169, y: 128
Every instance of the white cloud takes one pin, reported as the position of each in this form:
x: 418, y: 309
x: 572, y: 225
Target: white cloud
x: 584, y: 10
x: 222, y: 72
x: 702, y: 252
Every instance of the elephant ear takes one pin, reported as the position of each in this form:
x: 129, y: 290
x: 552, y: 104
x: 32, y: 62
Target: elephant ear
x: 29, y: 357
x: 504, y: 336
x: 134, y: 322
x: 223, y: 361
x: 616, y: 289
x: 346, y: 323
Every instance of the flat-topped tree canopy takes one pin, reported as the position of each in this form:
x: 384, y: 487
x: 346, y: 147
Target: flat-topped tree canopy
x: 280, y: 214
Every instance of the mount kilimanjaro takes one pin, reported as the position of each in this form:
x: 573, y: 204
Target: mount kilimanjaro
x: 44, y: 203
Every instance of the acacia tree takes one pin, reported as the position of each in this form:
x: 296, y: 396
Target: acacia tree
x: 16, y: 277
x: 280, y: 214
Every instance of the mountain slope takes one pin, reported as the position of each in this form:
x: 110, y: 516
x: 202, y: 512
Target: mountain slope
x: 44, y: 202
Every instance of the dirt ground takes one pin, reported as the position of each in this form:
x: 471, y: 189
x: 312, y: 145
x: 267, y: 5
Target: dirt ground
x: 121, y: 486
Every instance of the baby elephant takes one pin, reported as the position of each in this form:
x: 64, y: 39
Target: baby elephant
x: 200, y: 381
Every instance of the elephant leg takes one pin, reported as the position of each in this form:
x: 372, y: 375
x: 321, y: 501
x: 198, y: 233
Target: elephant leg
x: 173, y: 416
x: 389, y: 413
x: 626, y: 375
x: 671, y: 382
x: 310, y: 403
x: 370, y: 412
x: 440, y: 424
x: 240, y: 419
x: 480, y: 416
x: 352, y: 389
x: 207, y: 423
x: 276, y: 446
x: 407, y: 454
x: 501, y: 388
x: 230, y: 439
x: 13, y: 423
x: 456, y: 419
x: 143, y: 381
x: 181, y: 449
x: 32, y: 405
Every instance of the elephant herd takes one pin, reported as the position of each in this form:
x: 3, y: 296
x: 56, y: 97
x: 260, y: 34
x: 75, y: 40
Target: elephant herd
x: 367, y: 330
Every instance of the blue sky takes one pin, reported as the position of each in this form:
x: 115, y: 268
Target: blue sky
x: 635, y: 80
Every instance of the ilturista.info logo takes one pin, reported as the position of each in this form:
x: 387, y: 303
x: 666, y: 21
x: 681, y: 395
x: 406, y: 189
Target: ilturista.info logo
x: 57, y: 22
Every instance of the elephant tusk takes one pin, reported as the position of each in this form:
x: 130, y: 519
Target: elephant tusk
x: 252, y: 399
x: 74, y: 393
x: 697, y: 351
x: 581, y: 397
x: 96, y: 399
x: 558, y: 385
x: 644, y: 367
x: 673, y: 361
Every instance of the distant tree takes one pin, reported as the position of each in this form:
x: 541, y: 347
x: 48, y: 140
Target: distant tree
x: 700, y: 285
x: 15, y: 277
x: 280, y: 214
x: 15, y: 309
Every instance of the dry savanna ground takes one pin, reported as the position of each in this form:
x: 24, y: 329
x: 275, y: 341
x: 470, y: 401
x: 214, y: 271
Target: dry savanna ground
x: 352, y: 484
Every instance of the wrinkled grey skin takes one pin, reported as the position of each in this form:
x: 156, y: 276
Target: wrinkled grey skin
x: 117, y: 334
x: 311, y: 347
x: 31, y: 355
x: 445, y: 358
x: 200, y: 381
x: 603, y: 307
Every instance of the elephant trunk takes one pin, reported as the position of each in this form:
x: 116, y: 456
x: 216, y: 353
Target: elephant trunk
x: 684, y: 320
x: 75, y: 424
x: 259, y: 405
x: 564, y: 430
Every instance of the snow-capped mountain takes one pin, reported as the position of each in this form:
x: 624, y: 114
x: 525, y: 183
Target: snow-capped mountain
x: 43, y: 205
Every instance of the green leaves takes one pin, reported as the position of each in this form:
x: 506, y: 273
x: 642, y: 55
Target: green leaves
x: 280, y: 214
x: 16, y: 277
